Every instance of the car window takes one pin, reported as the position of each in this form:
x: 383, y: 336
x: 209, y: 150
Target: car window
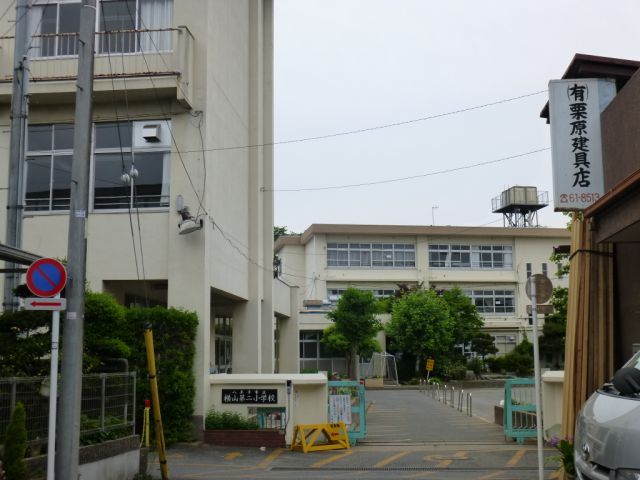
x: 634, y: 361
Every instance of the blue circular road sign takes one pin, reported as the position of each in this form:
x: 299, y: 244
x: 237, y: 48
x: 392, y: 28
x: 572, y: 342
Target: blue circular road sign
x: 46, y: 277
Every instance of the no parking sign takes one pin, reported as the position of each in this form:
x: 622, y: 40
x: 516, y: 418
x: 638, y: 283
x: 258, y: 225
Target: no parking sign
x: 46, y: 277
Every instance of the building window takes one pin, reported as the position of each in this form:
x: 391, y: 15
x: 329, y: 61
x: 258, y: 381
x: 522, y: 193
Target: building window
x: 124, y: 176
x: 223, y: 333
x: 125, y: 26
x: 545, y: 270
x: 48, y: 167
x: 471, y: 256
x: 336, y: 293
x: 493, y: 301
x: 57, y: 25
x: 371, y: 255
x: 529, y: 270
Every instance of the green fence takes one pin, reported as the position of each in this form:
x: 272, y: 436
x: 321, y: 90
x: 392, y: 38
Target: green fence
x: 347, y: 403
x: 519, y: 419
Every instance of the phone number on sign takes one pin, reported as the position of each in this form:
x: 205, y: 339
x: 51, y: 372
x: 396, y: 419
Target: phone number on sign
x: 579, y: 197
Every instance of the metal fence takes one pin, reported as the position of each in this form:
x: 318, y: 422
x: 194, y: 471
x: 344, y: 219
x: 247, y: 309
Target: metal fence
x: 108, y: 401
x: 519, y: 419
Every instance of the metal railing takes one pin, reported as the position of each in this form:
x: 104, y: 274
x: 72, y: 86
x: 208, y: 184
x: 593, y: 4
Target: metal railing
x: 457, y: 399
x: 108, y: 401
x: 519, y: 416
x: 119, y: 54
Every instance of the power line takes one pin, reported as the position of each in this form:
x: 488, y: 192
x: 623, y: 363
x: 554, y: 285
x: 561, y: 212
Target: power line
x: 401, y: 179
x: 377, y: 127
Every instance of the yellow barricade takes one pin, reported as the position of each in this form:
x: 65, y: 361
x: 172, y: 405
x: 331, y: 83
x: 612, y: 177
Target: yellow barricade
x: 306, y: 436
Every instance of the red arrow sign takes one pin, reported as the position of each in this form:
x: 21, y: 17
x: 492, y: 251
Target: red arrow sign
x: 45, y: 304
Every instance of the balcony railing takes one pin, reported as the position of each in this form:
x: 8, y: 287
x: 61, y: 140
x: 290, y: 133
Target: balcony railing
x: 119, y: 54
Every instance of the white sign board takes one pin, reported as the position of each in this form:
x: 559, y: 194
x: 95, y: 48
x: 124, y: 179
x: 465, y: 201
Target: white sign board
x: 340, y: 409
x: 576, y: 142
x: 37, y: 303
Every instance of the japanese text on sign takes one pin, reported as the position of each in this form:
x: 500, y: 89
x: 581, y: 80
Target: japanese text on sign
x: 250, y: 395
x: 340, y: 408
x: 575, y: 107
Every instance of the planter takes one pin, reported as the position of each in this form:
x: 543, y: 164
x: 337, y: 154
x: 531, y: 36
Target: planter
x: 374, y: 382
x: 246, y: 438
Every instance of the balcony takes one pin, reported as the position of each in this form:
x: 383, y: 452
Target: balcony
x: 156, y: 61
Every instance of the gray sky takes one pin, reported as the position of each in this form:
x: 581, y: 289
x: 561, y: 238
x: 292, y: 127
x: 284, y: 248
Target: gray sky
x: 343, y: 65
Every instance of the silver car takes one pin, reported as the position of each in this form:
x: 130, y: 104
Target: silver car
x: 607, y: 437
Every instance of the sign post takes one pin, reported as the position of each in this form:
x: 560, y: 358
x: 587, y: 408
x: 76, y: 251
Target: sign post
x: 538, y: 288
x: 46, y: 278
x: 429, y: 365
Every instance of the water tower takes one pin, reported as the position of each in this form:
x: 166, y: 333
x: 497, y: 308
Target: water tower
x: 519, y: 206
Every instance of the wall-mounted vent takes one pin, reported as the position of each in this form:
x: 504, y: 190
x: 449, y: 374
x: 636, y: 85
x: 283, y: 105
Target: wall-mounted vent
x: 151, y: 133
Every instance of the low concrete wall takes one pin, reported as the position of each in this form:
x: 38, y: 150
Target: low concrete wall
x: 112, y: 460
x: 552, y: 398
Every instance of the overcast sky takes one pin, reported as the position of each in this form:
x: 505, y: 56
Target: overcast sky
x: 344, y: 65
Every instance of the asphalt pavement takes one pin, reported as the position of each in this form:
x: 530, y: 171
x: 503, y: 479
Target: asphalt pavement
x: 410, y: 434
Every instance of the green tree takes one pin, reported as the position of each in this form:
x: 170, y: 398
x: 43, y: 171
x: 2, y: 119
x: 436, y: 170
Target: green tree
x: 554, y: 331
x: 354, y: 327
x: 466, y: 321
x: 15, y: 444
x: 520, y: 359
x: 483, y: 344
x: 421, y: 325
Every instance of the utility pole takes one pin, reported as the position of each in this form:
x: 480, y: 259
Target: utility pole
x: 19, y: 110
x: 68, y: 428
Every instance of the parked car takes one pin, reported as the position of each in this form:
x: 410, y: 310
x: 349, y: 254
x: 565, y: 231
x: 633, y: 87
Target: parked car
x: 607, y: 437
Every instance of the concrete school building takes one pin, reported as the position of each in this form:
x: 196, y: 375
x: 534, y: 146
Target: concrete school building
x: 490, y: 264
x: 181, y: 209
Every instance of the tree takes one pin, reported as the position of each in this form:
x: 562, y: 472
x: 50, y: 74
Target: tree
x: 421, y: 325
x: 354, y: 327
x: 554, y: 330
x: 281, y: 232
x: 483, y: 344
x: 466, y: 321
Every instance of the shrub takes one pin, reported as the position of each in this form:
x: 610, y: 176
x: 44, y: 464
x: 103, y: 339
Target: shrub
x: 15, y: 445
x: 174, y: 334
x: 495, y: 364
x: 452, y: 369
x: 475, y: 365
x: 227, y: 421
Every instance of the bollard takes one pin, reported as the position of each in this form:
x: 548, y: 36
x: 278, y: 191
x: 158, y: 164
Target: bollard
x: 453, y: 392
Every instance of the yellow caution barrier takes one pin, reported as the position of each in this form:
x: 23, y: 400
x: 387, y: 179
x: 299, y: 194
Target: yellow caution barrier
x: 320, y: 436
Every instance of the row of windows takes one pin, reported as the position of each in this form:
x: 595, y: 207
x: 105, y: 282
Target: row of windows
x: 486, y: 301
x: 336, y: 293
x: 57, y: 25
x: 401, y: 255
x: 470, y: 256
x: 124, y: 175
x: 492, y: 301
x: 398, y: 255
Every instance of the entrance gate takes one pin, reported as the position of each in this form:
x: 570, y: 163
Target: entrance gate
x: 347, y: 403
x: 519, y: 419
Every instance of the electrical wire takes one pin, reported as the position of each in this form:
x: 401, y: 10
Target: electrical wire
x: 411, y: 177
x: 4, y: 14
x: 377, y: 127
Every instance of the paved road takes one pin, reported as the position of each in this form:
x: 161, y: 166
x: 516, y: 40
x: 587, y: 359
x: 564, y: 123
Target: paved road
x: 411, y: 416
x: 410, y: 435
